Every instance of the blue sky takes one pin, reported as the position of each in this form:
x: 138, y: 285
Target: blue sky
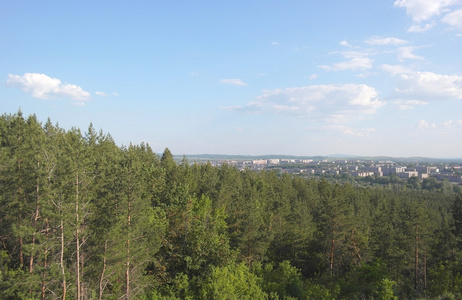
x: 242, y: 77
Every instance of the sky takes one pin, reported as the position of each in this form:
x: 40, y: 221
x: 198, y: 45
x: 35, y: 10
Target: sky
x: 251, y: 77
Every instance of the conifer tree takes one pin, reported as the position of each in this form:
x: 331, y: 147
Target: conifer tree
x: 139, y: 226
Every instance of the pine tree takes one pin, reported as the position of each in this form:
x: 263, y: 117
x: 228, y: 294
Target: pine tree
x: 139, y: 226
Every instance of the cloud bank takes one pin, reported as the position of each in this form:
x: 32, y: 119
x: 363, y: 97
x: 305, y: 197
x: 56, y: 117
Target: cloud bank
x: 44, y: 87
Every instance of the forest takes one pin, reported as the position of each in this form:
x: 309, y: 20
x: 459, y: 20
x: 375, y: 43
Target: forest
x: 84, y: 218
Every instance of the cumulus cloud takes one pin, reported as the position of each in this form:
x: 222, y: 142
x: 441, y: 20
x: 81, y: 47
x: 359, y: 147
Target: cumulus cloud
x: 422, y: 10
x: 326, y: 102
x: 385, y: 41
x: 44, y: 87
x: 454, y: 19
x: 429, y: 86
x: 234, y: 81
x: 425, y: 12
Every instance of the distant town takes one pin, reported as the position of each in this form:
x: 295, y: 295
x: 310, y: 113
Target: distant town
x: 404, y: 168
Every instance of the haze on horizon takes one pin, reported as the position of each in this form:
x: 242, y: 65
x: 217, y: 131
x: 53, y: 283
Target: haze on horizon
x: 366, y: 78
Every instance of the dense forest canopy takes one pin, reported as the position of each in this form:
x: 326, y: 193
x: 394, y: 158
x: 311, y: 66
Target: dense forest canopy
x: 83, y: 218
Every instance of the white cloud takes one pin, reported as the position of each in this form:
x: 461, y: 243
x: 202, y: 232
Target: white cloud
x: 408, y: 104
x: 429, y: 86
x: 425, y: 125
x: 407, y: 53
x: 44, y: 87
x: 326, y: 102
x: 313, y: 76
x: 385, y: 41
x: 345, y: 43
x: 354, y: 54
x: 421, y: 28
x: 275, y: 43
x: 448, y: 124
x: 357, y: 60
x: 234, y: 81
x: 395, y: 69
x: 359, y: 132
x: 102, y: 94
x: 454, y: 19
x: 452, y: 124
x: 422, y: 10
x: 356, y: 63
x: 430, y: 10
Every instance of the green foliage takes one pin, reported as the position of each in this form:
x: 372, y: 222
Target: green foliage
x: 368, y: 282
x: 316, y: 291
x: 283, y: 282
x: 233, y: 282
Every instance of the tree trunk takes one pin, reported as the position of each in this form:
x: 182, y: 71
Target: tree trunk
x: 127, y: 271
x: 77, y: 239
x: 45, y: 262
x: 36, y: 217
x: 102, y: 272
x: 61, y: 261
x: 21, y: 255
x: 425, y: 267
x: 20, y: 191
x: 416, y: 275
x: 332, y: 248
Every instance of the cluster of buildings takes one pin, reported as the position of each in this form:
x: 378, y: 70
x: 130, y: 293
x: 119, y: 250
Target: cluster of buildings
x: 357, y: 168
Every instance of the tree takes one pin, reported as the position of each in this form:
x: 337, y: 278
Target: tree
x: 195, y: 242
x: 139, y: 226
x: 233, y: 282
x: 282, y: 282
x: 334, y: 219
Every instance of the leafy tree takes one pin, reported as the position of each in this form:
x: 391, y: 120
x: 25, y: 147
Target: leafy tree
x: 233, y: 282
x: 283, y: 282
